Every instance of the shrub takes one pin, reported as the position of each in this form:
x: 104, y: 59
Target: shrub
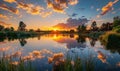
x: 117, y: 29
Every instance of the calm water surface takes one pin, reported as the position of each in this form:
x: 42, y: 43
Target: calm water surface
x: 84, y: 47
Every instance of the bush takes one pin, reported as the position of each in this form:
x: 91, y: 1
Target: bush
x: 111, y: 40
x: 117, y: 29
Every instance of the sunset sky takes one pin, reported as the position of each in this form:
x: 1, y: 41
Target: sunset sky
x: 44, y: 14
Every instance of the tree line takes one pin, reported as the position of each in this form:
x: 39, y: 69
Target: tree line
x: 22, y: 27
x: 115, y: 26
x: 104, y: 27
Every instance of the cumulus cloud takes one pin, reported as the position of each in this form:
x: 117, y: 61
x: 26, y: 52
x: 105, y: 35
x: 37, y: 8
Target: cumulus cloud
x: 10, y: 9
x: 30, y: 8
x: 70, y: 43
x: 108, y: 7
x: 4, y: 23
x: 55, y: 5
x: 3, y: 16
x: 72, y: 2
x: 24, y: 5
x: 46, y: 14
x: 60, y: 5
x: 71, y: 23
x: 10, y: 1
x: 33, y: 9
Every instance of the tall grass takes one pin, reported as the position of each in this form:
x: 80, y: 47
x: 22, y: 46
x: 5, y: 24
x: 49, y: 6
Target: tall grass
x: 74, y: 64
x: 8, y: 64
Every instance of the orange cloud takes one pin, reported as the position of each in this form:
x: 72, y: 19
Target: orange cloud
x: 73, y: 2
x: 45, y: 14
x: 30, y: 8
x: 108, y: 7
x: 35, y: 10
x: 10, y: 1
x: 10, y: 9
x: 4, y: 23
x: 3, y: 49
x: 60, y: 5
x: 56, y: 7
x: 24, y: 6
x: 3, y: 16
x: 55, y: 56
x: 101, y: 56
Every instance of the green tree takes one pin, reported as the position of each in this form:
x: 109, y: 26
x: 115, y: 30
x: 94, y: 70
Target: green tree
x: 12, y: 28
x: 103, y: 26
x: 116, y: 29
x: 106, y: 26
x: 94, y: 26
x: 116, y: 21
x: 81, y: 28
x: 38, y: 30
x: 31, y: 30
x: 72, y: 31
x: 7, y: 29
x: 22, y: 26
x: 1, y: 27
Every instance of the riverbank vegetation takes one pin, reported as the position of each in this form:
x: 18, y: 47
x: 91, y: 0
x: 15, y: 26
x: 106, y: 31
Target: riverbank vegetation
x: 112, y: 38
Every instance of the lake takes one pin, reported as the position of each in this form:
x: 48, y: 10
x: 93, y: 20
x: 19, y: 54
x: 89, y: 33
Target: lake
x: 46, y: 47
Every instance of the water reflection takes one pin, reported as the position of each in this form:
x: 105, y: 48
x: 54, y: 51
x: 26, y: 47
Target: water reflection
x: 80, y: 39
x: 113, y: 48
x: 39, y: 37
x: 101, y: 56
x: 43, y: 51
x: 71, y: 42
x: 22, y: 41
x: 93, y: 41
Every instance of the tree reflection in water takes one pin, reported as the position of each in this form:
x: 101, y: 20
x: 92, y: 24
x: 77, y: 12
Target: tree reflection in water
x: 80, y: 39
x: 22, y: 41
x: 73, y: 41
x: 93, y: 41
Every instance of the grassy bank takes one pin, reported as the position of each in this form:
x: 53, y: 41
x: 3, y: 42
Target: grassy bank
x: 111, y: 40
